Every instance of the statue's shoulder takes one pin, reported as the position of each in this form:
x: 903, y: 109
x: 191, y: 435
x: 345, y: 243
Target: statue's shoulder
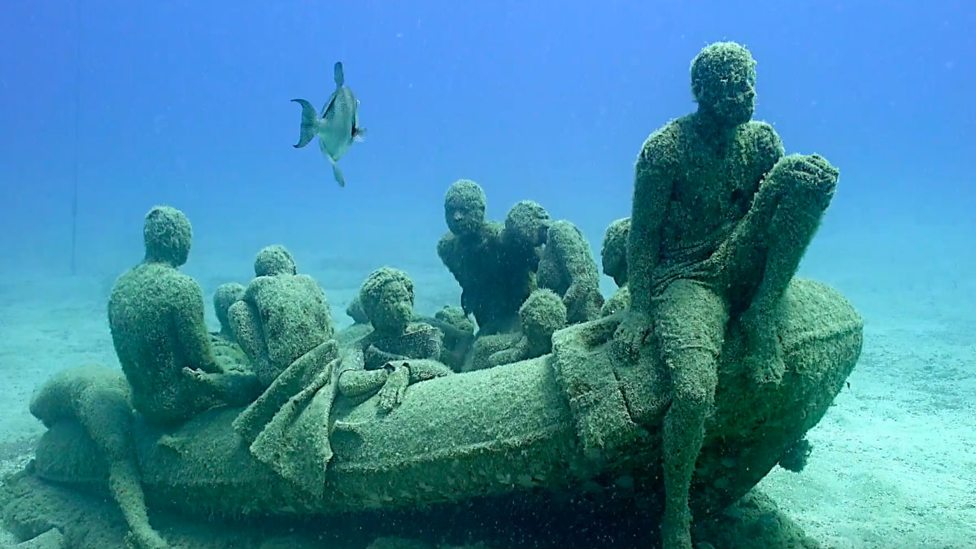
x: 446, y: 245
x: 157, y: 280
x: 184, y: 288
x: 665, y: 146
x: 565, y: 233
x: 493, y: 231
x: 308, y: 283
x: 258, y: 288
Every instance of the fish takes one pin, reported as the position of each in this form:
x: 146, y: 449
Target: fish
x: 337, y: 127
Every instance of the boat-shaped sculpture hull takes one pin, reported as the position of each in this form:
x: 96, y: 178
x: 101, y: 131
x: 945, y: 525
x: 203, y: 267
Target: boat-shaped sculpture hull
x: 569, y: 421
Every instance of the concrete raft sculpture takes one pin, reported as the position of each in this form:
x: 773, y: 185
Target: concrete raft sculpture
x: 534, y: 436
x: 550, y: 423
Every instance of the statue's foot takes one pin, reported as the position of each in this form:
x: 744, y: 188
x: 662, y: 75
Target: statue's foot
x: 675, y: 535
x: 147, y: 540
x: 52, y: 539
x: 676, y: 530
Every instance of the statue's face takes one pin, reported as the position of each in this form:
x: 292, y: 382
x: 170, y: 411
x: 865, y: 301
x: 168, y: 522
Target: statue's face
x: 529, y: 223
x: 733, y: 99
x: 180, y: 256
x: 464, y: 217
x: 397, y: 304
x: 614, y: 260
x: 536, y: 227
x: 723, y: 79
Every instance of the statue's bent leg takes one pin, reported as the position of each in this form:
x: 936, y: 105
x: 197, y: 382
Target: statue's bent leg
x: 764, y: 253
x: 795, y: 215
x: 98, y: 399
x: 106, y: 416
x: 690, y: 320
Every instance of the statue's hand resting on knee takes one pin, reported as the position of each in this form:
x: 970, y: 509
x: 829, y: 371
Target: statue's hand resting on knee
x: 631, y: 335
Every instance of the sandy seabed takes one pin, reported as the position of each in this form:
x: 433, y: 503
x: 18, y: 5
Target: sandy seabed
x: 893, y: 460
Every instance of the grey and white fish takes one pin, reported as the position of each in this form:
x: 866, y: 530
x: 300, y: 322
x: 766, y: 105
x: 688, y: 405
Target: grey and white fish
x: 336, y: 127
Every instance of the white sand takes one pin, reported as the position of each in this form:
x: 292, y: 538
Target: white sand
x: 893, y: 462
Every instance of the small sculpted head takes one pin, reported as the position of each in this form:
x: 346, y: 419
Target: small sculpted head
x: 541, y: 315
x: 274, y: 260
x: 464, y: 208
x: 529, y: 222
x: 167, y: 234
x: 613, y: 254
x: 226, y: 295
x: 387, y: 298
x: 723, y: 80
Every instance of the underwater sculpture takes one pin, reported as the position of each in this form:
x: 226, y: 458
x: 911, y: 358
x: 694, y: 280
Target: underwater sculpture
x: 720, y: 221
x: 495, y: 277
x: 155, y: 314
x: 387, y: 297
x: 281, y: 316
x: 226, y: 295
x: 586, y: 418
x: 613, y: 257
x: 542, y: 314
x: 455, y: 327
x: 565, y: 264
x: 398, y: 351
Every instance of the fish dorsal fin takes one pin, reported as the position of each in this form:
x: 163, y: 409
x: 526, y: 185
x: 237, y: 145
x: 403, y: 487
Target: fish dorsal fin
x: 340, y: 78
x: 328, y: 104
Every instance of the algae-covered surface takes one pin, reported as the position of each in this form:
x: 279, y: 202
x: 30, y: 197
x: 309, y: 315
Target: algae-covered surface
x: 412, y: 432
x: 889, y: 456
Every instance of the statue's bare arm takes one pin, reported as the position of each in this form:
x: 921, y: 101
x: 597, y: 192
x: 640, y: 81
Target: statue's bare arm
x: 191, y: 330
x: 573, y: 252
x: 653, y: 184
x: 355, y: 380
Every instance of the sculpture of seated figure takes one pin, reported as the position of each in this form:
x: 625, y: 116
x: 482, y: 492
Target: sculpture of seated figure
x: 565, y: 263
x: 540, y: 316
x: 494, y: 279
x: 398, y: 351
x: 356, y: 312
x: 720, y: 221
x: 613, y: 256
x: 458, y: 333
x: 156, y: 315
x: 225, y: 296
x: 282, y: 316
x: 453, y: 323
x: 226, y: 349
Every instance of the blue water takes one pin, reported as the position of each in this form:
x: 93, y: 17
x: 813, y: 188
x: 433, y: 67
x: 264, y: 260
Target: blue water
x: 133, y: 104
x: 187, y: 103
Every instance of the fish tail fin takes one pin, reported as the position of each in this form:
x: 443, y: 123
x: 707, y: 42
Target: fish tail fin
x: 309, y: 122
x: 337, y: 173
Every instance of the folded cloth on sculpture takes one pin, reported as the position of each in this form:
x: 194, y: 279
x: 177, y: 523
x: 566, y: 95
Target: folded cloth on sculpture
x: 285, y: 426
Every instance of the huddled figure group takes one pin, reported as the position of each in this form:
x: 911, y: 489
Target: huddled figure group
x: 721, y: 217
x: 521, y: 281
